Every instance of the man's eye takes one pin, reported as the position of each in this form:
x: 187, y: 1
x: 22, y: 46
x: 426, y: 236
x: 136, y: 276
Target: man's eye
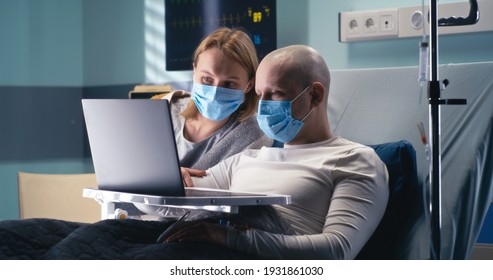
x: 277, y: 96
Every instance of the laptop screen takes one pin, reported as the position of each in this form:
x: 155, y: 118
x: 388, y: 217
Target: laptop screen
x: 133, y: 146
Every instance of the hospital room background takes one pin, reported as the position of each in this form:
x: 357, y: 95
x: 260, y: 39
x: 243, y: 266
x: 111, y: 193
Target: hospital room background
x: 54, y: 52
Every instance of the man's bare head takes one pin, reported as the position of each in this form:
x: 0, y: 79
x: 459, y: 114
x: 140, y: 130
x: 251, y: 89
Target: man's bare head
x: 298, y: 63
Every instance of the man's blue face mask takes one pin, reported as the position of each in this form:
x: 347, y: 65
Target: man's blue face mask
x: 216, y: 103
x: 276, y: 121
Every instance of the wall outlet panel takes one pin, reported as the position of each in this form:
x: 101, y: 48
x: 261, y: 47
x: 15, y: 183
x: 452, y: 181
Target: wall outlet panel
x: 369, y: 25
x: 408, y: 21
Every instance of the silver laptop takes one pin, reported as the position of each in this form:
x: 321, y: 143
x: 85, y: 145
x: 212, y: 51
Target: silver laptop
x: 134, y: 155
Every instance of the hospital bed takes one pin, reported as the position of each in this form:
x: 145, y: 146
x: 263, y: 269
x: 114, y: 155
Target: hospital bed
x: 381, y: 105
x: 380, y: 108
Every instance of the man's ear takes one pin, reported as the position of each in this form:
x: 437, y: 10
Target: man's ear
x: 317, y: 93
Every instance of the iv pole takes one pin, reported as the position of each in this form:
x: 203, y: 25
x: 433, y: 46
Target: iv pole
x: 435, y: 101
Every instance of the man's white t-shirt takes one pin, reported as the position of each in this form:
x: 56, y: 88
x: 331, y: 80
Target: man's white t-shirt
x: 339, y: 193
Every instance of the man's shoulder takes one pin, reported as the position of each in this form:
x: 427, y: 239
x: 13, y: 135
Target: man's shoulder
x: 350, y: 147
x: 338, y: 141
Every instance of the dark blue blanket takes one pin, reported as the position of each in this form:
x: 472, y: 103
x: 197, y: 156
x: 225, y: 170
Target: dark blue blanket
x: 107, y: 239
x: 121, y: 239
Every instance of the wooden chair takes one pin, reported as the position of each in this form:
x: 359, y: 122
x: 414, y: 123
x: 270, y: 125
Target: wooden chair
x: 57, y: 196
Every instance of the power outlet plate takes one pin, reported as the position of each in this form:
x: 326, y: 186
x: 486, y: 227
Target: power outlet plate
x: 409, y: 21
x: 368, y: 25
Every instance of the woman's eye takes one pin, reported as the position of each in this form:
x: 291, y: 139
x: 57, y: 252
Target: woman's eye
x: 207, y: 80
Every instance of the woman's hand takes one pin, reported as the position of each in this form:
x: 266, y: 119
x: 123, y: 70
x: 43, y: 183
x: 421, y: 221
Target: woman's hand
x: 198, y: 231
x: 187, y: 173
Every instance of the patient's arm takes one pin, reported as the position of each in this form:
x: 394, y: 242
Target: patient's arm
x: 356, y: 187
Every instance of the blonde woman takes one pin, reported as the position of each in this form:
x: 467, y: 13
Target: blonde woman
x: 217, y: 118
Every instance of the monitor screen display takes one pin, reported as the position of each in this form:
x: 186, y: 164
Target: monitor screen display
x: 188, y: 22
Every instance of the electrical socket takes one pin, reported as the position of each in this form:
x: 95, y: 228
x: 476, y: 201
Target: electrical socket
x: 371, y: 24
x: 354, y: 26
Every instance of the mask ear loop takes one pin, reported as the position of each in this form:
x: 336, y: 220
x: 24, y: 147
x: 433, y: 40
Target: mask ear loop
x: 306, y: 116
x: 311, y: 109
x: 299, y: 94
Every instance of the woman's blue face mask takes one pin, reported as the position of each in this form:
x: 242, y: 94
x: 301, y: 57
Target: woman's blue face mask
x: 216, y: 103
x: 276, y: 121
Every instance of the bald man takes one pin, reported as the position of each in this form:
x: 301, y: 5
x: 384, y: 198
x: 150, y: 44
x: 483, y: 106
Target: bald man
x: 297, y: 76
x: 339, y: 189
